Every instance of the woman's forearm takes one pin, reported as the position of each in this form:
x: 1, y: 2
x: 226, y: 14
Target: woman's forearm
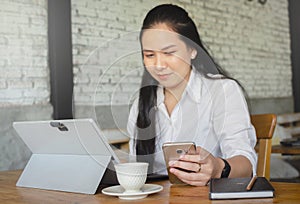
x: 240, y: 167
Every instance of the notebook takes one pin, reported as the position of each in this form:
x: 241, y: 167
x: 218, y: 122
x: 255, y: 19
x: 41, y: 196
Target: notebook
x: 67, y: 155
x: 235, y: 188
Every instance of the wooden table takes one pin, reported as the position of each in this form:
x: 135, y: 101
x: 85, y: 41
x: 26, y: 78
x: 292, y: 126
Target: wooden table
x: 117, y: 137
x: 9, y: 193
x: 120, y: 144
x: 294, y: 150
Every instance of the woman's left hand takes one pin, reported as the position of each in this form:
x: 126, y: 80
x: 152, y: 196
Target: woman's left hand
x: 198, y: 168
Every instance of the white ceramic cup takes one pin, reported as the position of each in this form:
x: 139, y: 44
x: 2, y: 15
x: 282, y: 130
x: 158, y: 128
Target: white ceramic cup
x: 132, y: 176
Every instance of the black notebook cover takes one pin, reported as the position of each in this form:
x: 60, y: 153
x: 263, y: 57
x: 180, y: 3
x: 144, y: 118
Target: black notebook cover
x: 235, y: 188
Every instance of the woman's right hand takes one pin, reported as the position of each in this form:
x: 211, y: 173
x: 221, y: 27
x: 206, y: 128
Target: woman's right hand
x: 201, y: 167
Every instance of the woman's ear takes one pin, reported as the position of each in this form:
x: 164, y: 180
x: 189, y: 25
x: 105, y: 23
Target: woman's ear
x: 193, y: 54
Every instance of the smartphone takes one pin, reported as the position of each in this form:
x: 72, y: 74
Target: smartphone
x: 172, y: 152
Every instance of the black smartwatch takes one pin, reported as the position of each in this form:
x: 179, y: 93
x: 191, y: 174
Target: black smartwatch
x: 226, y: 170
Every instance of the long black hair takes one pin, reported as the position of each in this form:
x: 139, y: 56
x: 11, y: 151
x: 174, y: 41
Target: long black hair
x: 178, y: 20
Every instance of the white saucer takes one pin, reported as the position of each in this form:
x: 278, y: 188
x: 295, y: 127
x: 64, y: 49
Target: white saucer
x: 119, y: 191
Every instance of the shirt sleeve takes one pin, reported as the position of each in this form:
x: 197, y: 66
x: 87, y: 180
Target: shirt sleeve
x: 231, y: 122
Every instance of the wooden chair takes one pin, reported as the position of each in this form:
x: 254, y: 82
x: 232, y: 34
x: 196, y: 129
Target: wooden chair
x: 264, y: 125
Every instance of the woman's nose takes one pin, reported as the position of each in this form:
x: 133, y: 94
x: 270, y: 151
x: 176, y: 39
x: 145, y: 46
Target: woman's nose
x: 160, y: 62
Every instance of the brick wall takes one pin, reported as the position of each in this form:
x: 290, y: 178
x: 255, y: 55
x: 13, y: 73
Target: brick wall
x: 24, y: 77
x: 248, y: 39
x: 24, y: 74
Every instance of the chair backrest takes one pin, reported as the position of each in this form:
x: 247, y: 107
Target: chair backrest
x: 264, y: 125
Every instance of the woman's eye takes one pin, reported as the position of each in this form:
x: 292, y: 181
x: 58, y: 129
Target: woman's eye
x: 169, y: 52
x: 149, y: 55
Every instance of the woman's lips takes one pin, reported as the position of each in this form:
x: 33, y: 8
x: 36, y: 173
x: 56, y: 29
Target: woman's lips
x: 163, y: 76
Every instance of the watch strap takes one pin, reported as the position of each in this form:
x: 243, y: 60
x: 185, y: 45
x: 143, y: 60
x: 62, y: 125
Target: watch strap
x: 226, y: 170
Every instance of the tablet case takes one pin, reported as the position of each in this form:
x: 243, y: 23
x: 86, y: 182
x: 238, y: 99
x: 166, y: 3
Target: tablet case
x: 67, y: 155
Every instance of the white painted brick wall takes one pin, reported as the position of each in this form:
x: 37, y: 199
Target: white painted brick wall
x: 24, y: 78
x: 248, y: 39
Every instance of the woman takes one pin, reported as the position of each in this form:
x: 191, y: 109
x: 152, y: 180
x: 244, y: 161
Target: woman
x: 185, y: 96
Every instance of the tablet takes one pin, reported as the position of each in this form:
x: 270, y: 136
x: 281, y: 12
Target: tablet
x: 67, y: 155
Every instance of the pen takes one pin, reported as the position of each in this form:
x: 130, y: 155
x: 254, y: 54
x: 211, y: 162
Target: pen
x: 251, y: 183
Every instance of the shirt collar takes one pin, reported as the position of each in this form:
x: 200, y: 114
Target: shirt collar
x: 160, y: 95
x: 193, y: 88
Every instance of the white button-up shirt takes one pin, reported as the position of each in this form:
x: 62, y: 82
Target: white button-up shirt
x: 212, y: 113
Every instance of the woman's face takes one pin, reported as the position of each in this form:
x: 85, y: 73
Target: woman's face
x: 166, y: 56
